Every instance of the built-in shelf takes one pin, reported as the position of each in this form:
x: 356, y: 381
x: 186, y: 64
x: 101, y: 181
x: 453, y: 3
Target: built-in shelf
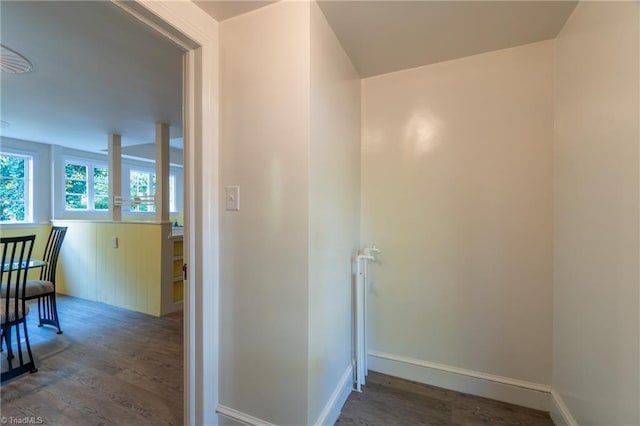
x: 177, y: 260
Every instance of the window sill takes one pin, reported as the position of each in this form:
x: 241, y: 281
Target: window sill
x: 22, y: 224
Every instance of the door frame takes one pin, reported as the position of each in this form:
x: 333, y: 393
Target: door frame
x: 196, y: 33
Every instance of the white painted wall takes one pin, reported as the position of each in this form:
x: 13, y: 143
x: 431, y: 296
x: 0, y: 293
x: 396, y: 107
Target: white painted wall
x: 334, y: 210
x: 148, y: 152
x: 596, y: 370
x: 264, y: 148
x: 457, y: 193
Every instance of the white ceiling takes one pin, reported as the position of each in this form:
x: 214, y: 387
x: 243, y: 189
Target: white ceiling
x: 225, y: 9
x: 386, y: 36
x: 96, y: 71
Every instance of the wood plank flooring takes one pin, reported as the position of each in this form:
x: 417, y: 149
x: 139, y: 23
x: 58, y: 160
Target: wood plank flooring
x: 387, y: 400
x: 110, y: 367
x: 117, y: 367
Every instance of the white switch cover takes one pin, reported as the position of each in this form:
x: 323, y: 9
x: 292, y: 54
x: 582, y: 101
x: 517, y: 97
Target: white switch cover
x: 233, y: 197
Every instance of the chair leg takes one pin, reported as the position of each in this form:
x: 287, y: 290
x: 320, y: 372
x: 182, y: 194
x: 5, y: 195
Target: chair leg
x: 32, y: 363
x: 55, y: 312
x: 40, y: 307
x: 22, y: 367
x: 6, y: 336
x: 49, y: 312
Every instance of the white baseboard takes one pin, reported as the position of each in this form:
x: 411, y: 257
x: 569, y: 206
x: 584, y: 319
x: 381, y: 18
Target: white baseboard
x: 560, y: 413
x: 514, y: 391
x: 328, y: 416
x: 240, y: 417
x: 331, y: 411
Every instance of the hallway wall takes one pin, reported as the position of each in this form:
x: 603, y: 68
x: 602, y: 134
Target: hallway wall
x: 457, y: 193
x: 334, y: 215
x: 596, y: 339
x: 264, y: 148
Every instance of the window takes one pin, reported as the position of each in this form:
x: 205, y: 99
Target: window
x: 86, y: 186
x: 172, y: 194
x: 143, y: 183
x: 16, y: 188
x: 101, y: 186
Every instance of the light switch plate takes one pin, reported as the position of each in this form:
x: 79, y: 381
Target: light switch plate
x: 232, y: 195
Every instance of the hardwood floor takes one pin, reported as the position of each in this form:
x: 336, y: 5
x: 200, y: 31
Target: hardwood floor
x: 110, y: 367
x: 387, y: 400
x: 117, y: 367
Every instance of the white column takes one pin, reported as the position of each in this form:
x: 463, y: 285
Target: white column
x: 162, y: 172
x: 115, y: 176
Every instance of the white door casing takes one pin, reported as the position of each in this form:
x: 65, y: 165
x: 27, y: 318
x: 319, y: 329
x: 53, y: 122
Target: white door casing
x: 188, y: 26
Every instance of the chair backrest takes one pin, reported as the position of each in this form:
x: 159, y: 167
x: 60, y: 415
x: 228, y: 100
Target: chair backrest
x: 51, y: 252
x: 16, y: 254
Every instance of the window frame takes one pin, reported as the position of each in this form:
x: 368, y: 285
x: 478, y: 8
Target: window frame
x: 173, y: 179
x: 91, y: 165
x: 28, y: 196
x: 63, y: 155
x: 150, y: 176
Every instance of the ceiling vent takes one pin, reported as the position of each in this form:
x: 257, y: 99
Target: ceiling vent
x: 12, y: 62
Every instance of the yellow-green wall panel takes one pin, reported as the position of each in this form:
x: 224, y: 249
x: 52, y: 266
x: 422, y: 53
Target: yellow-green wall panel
x: 41, y: 231
x: 77, y: 263
x: 178, y: 288
x: 128, y: 276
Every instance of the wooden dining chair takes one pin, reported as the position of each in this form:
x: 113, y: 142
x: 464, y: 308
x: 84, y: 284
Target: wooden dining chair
x: 16, y: 253
x: 44, y: 289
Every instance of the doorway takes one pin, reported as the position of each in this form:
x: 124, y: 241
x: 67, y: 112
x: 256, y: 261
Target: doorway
x: 197, y: 34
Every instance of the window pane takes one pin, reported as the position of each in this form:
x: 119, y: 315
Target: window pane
x: 76, y: 202
x: 12, y: 189
x: 172, y: 193
x: 101, y: 181
x: 15, y: 187
x: 139, y: 183
x: 11, y: 166
x: 75, y: 171
x: 101, y: 203
x: 76, y: 187
x: 139, y: 208
x: 142, y: 207
x: 11, y: 211
x: 152, y: 191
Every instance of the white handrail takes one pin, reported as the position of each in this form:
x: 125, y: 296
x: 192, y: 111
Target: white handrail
x: 135, y: 200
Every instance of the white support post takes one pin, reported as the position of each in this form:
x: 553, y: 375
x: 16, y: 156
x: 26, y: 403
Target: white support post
x: 115, y: 176
x: 162, y: 172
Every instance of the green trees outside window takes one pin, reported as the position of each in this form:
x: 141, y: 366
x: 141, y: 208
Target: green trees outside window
x: 75, y: 187
x: 86, y: 186
x: 101, y: 186
x: 15, y: 187
x: 142, y: 183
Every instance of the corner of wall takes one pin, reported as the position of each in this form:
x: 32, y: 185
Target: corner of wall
x: 559, y: 411
x: 331, y: 410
